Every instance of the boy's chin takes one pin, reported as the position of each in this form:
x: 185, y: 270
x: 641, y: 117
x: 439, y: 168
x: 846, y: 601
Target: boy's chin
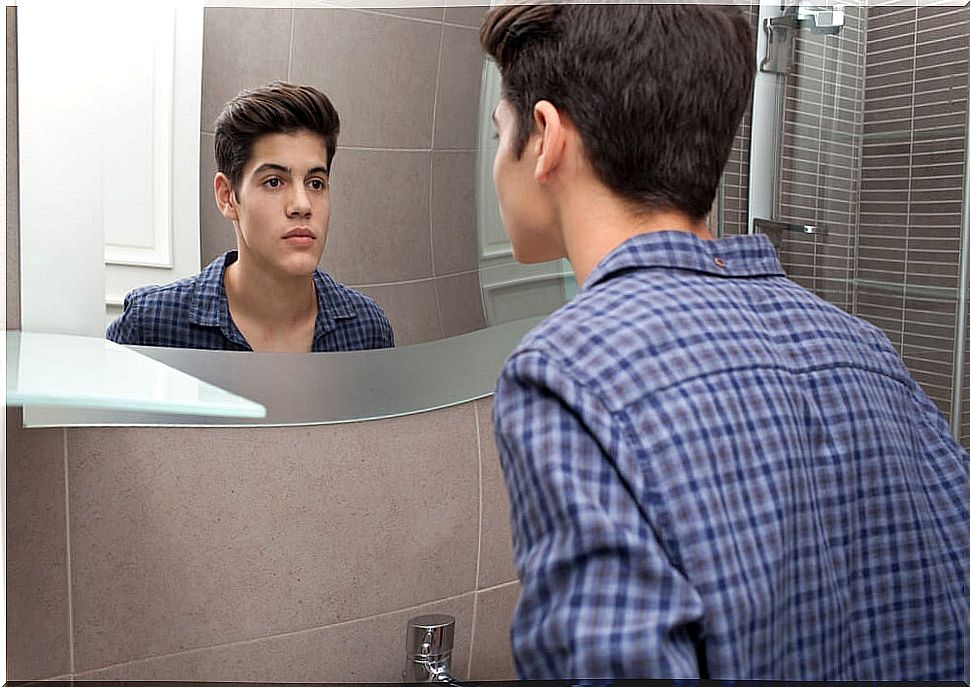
x: 299, y: 266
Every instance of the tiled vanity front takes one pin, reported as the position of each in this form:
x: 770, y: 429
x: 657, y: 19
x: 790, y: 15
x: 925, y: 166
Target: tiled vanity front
x: 255, y: 553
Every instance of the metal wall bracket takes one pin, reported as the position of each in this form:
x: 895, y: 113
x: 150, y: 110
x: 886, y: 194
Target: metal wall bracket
x: 826, y: 21
x: 780, y: 47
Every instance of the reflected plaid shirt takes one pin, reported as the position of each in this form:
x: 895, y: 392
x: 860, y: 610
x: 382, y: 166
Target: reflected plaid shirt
x: 194, y: 313
x: 714, y: 473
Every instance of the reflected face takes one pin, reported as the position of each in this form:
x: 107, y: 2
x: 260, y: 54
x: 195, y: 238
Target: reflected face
x: 282, y: 204
x: 524, y: 204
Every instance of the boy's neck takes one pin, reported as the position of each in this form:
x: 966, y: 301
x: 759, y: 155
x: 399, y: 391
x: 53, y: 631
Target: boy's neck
x: 267, y: 303
x: 596, y: 222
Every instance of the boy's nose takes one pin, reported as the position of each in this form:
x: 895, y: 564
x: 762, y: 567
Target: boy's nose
x: 299, y: 202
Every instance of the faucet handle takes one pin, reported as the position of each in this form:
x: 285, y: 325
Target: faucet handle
x: 430, y: 635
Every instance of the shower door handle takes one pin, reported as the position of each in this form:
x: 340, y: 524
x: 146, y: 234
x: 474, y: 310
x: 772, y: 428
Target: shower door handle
x: 771, y: 225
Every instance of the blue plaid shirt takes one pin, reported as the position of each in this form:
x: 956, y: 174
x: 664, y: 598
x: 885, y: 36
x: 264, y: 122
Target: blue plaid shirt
x: 714, y: 473
x: 194, y: 313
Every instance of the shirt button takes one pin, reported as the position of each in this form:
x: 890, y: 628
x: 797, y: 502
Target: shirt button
x: 720, y: 263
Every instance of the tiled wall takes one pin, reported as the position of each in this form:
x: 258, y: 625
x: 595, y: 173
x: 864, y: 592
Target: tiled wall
x: 275, y: 555
x: 406, y: 84
x: 918, y: 62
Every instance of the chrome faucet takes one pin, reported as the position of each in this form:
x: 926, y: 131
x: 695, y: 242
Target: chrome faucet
x: 429, y: 642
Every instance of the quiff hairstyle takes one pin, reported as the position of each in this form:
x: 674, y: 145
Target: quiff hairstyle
x: 655, y: 91
x: 277, y: 108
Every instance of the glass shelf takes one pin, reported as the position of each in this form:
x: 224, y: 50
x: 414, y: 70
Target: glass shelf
x: 81, y: 372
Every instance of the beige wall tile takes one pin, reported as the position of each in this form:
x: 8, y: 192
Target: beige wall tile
x: 368, y: 650
x: 491, y: 650
x: 380, y: 217
x: 496, y: 562
x: 453, y: 213
x: 242, y: 48
x: 217, y: 232
x: 428, y: 13
x: 459, y: 89
x: 38, y: 629
x: 460, y: 304
x: 412, y: 309
x: 187, y: 538
x: 465, y: 15
x: 13, y: 178
x: 378, y: 70
x: 521, y: 299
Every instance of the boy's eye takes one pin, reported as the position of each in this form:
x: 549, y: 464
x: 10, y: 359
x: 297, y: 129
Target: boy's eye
x: 273, y: 182
x: 317, y: 184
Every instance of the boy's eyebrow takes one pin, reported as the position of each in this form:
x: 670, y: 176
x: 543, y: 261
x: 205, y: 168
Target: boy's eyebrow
x: 273, y: 167
x: 270, y: 167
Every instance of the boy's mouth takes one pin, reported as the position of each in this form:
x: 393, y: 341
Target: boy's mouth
x: 299, y: 233
x: 299, y: 236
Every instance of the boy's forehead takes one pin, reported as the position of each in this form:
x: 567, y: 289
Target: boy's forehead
x: 301, y: 148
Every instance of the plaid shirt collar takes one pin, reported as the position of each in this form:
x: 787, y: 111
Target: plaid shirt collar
x: 209, y: 306
x: 732, y: 256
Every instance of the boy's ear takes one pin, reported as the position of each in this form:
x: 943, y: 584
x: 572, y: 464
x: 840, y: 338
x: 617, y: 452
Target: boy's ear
x: 551, y: 139
x: 225, y: 199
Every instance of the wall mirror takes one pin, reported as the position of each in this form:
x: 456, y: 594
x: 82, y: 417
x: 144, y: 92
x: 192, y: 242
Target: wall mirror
x: 414, y: 222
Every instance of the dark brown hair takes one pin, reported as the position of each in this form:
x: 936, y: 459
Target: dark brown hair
x: 655, y: 91
x: 277, y: 108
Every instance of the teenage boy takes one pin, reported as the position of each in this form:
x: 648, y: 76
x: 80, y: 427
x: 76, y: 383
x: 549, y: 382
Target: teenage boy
x: 274, y: 147
x: 712, y: 472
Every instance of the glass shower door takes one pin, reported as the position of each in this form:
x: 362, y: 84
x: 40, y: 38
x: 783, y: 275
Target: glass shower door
x: 858, y: 173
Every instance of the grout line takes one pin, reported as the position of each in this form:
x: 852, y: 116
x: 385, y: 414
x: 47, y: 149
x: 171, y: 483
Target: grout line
x: 500, y: 585
x: 434, y: 266
x: 69, y: 569
x: 289, y: 57
x: 939, y: 177
x: 434, y: 127
x: 481, y: 496
x: 422, y: 20
x: 405, y: 282
x: 436, y: 283
x: 944, y: 90
x: 437, y: 82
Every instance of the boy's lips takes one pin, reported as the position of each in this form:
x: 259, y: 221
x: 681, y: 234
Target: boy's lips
x: 299, y: 233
